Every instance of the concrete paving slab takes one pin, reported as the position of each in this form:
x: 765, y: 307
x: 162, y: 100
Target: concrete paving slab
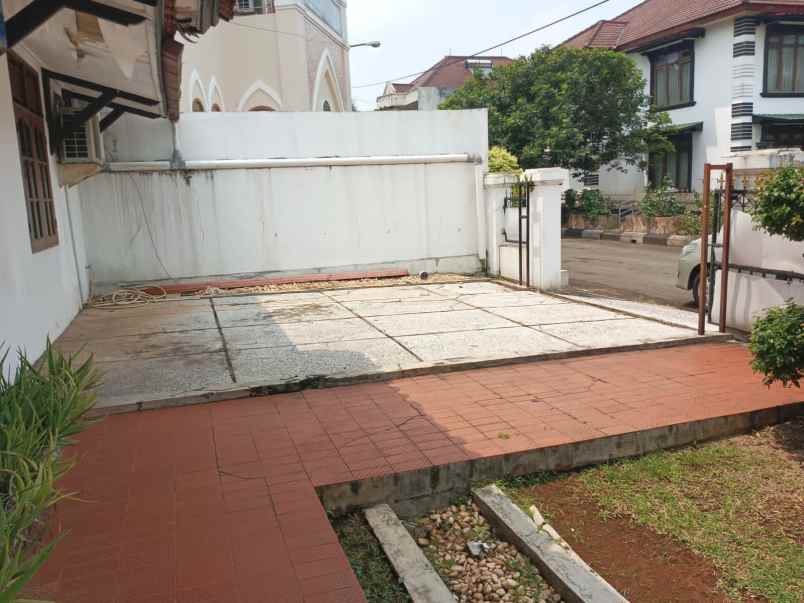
x: 300, y: 333
x: 458, y: 289
x: 438, y: 322
x: 113, y: 325
x: 487, y: 344
x: 667, y: 314
x: 389, y: 308
x: 156, y: 345
x: 384, y: 293
x: 258, y: 314
x: 610, y: 333
x: 548, y: 314
x: 294, y: 363
x: 135, y: 379
x: 223, y: 303
x: 510, y: 298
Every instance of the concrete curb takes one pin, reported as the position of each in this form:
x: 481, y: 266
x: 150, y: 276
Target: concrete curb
x: 563, y: 569
x: 633, y: 238
x: 255, y: 389
x: 412, y: 493
x: 422, y: 582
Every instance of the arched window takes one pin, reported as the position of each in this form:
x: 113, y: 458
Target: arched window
x: 261, y: 108
x: 216, y: 108
x: 327, y: 107
x: 198, y: 106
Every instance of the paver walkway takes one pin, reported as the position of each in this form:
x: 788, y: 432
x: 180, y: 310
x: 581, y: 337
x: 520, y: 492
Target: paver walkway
x: 216, y: 503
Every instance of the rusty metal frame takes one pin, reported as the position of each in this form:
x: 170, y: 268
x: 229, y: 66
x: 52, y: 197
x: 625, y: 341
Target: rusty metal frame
x: 728, y: 168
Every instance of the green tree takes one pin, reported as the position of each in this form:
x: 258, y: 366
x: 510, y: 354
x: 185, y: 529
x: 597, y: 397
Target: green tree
x: 501, y: 161
x: 779, y: 208
x: 575, y: 108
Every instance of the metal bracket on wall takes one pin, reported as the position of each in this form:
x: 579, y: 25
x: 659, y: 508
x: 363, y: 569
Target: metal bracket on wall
x: 32, y: 16
x: 59, y: 131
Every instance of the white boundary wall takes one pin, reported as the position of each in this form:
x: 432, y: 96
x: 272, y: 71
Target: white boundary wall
x: 416, y: 208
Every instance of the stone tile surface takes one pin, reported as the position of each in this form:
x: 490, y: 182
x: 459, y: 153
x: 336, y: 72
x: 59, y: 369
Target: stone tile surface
x: 610, y: 333
x: 438, y: 322
x: 396, y: 308
x: 341, y: 359
x: 258, y: 314
x: 490, y: 343
x: 547, y: 314
x: 384, y: 293
x: 299, y: 333
x: 510, y: 298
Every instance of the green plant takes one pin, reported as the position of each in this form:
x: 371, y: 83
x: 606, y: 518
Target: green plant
x: 41, y: 409
x: 661, y: 201
x: 593, y: 204
x: 503, y: 162
x: 690, y: 221
x: 777, y: 343
x: 779, y: 203
x: 575, y: 108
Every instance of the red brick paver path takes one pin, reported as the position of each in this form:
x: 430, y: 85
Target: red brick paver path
x: 216, y: 503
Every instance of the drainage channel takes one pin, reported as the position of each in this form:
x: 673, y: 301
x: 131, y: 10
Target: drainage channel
x: 485, y: 550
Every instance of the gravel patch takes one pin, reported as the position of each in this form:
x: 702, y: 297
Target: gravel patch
x: 499, y: 574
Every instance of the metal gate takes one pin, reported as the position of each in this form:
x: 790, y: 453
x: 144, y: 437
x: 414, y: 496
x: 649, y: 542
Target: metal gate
x: 518, y: 199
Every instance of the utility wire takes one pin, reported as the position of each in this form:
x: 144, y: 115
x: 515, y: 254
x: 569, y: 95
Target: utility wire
x: 485, y: 50
x: 279, y: 31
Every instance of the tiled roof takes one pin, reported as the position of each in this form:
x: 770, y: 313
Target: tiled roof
x: 451, y: 71
x: 652, y: 18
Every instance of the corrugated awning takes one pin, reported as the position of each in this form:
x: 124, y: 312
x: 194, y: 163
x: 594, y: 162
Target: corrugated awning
x: 788, y: 118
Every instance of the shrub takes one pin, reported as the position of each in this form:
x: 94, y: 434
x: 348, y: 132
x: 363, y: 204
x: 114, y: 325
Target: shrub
x: 777, y: 343
x: 691, y: 221
x: 503, y: 162
x: 41, y: 409
x: 661, y: 202
x: 593, y: 204
x: 779, y: 207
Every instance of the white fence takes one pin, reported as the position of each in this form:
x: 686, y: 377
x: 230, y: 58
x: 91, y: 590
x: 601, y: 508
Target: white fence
x: 285, y: 192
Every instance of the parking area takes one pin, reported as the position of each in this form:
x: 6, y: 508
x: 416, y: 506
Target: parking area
x: 163, y: 352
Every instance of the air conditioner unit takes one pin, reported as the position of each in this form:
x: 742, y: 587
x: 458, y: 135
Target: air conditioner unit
x: 83, y: 145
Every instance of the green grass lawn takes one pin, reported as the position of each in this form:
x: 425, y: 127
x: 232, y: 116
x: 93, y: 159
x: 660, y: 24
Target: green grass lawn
x: 372, y: 568
x: 738, y: 503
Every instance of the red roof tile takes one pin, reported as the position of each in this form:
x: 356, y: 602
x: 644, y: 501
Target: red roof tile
x: 452, y: 72
x: 652, y: 18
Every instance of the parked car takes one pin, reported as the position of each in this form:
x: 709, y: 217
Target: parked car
x: 689, y: 268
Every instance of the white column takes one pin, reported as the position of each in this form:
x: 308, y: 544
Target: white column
x: 545, y: 220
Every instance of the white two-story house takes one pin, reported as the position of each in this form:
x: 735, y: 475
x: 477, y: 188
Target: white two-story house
x: 729, y: 73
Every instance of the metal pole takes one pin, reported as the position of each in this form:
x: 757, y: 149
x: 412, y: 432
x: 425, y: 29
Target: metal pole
x: 527, y: 223
x: 724, y: 278
x: 519, y: 238
x: 704, y: 242
x: 715, y: 228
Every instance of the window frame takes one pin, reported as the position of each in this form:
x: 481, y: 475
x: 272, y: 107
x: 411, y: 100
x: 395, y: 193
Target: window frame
x: 686, y: 45
x: 34, y: 155
x: 780, y: 28
x: 686, y: 138
x: 766, y: 143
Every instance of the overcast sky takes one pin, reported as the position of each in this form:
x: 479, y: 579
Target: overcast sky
x: 417, y: 33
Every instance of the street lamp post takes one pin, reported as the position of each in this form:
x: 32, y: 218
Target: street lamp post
x: 373, y: 44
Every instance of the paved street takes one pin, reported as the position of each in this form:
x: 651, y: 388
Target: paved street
x: 637, y: 272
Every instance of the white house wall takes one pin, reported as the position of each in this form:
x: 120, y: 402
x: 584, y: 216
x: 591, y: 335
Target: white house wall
x: 39, y: 292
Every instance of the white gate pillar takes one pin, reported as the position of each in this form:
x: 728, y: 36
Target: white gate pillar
x: 545, y: 221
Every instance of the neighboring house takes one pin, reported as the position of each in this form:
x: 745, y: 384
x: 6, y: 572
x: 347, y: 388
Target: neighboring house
x: 69, y: 74
x: 275, y: 55
x: 729, y: 73
x: 427, y: 91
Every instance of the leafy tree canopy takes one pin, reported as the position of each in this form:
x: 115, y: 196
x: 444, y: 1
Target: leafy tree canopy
x: 575, y: 108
